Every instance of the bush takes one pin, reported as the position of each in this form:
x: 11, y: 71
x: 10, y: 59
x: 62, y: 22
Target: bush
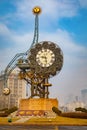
x: 9, y: 120
x: 3, y: 114
x: 81, y: 109
x: 8, y: 111
x: 74, y: 115
x: 56, y: 110
x: 11, y: 110
x: 3, y: 109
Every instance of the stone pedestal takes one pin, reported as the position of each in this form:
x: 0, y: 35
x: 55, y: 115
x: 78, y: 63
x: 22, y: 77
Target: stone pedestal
x: 36, y: 106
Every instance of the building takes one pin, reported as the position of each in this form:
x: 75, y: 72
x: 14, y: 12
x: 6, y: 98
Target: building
x: 75, y: 104
x: 84, y: 95
x: 70, y: 107
x: 17, y: 88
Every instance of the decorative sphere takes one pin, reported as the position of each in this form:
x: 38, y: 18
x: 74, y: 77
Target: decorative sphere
x: 6, y: 91
x: 36, y: 10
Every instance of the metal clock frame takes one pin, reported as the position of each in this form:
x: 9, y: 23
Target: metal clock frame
x: 56, y: 65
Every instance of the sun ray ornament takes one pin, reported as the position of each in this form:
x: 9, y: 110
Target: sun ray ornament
x: 36, y: 10
x: 6, y: 91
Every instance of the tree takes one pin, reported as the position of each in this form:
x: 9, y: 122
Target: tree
x: 81, y: 109
x: 56, y: 110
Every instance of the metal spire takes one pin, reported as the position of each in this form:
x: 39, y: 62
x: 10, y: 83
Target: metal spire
x: 36, y: 11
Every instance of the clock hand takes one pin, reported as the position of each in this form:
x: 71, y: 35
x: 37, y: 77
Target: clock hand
x: 44, y: 57
x: 46, y: 60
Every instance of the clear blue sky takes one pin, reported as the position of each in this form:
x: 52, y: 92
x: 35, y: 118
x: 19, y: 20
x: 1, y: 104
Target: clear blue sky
x: 61, y: 21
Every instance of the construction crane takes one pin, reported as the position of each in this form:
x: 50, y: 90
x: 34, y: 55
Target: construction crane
x: 22, y: 56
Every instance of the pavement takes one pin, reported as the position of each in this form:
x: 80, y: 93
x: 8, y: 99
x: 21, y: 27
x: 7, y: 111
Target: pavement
x: 43, y: 127
x: 22, y: 120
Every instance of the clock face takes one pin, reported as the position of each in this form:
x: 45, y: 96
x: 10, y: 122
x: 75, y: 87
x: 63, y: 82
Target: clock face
x: 45, y: 57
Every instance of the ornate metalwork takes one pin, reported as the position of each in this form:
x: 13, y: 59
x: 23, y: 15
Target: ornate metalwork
x: 52, y: 69
x: 34, y: 73
x: 39, y: 84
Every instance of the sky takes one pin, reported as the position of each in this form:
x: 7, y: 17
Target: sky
x: 63, y: 22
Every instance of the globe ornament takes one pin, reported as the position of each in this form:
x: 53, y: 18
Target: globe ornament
x: 6, y: 91
x: 36, y: 10
x: 46, y: 58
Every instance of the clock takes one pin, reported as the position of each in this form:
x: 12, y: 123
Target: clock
x: 45, y: 58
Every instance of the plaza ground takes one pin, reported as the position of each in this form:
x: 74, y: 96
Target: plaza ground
x: 60, y: 121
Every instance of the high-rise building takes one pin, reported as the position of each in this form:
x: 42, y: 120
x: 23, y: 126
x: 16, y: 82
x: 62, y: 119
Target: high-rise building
x: 17, y: 88
x: 72, y: 105
x: 84, y: 95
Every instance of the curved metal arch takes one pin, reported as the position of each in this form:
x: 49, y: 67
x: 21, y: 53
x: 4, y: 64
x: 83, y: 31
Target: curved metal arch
x: 12, y: 64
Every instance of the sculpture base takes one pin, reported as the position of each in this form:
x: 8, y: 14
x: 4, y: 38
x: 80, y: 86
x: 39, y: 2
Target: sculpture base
x: 36, y: 106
